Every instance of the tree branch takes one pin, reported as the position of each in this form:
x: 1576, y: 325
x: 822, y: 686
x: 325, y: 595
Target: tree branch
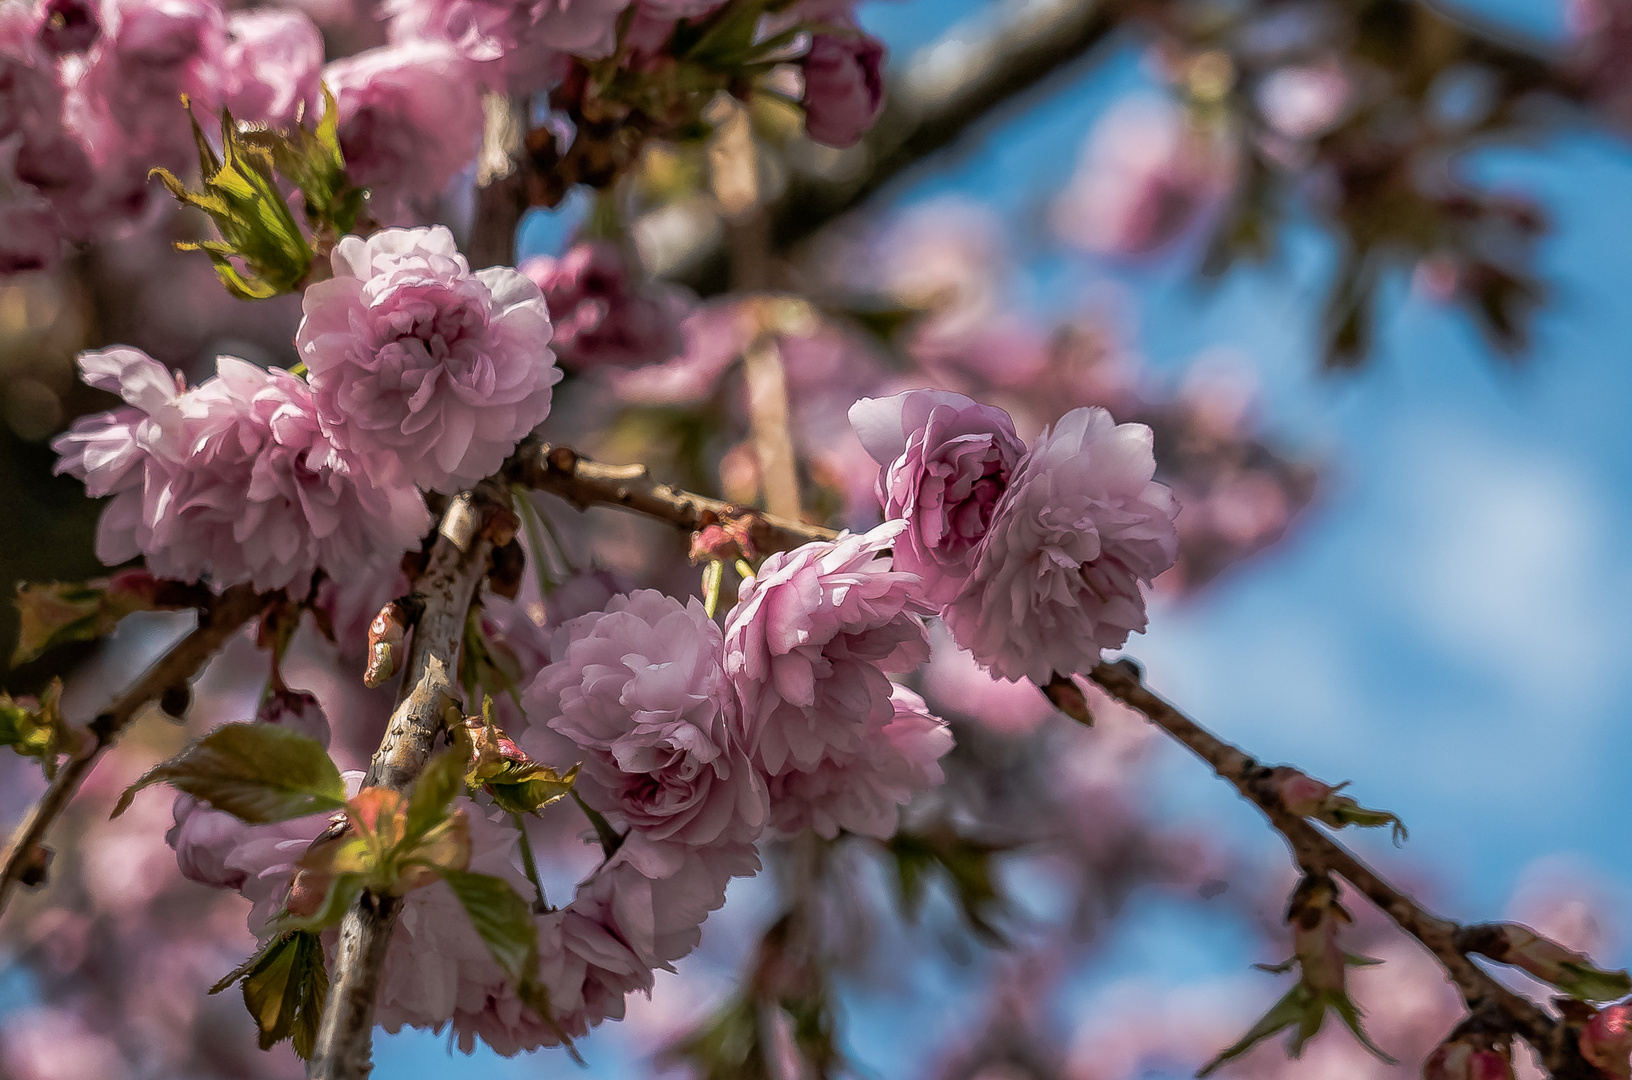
x: 1315, y: 852
x: 216, y: 623
x: 458, y: 562
x: 562, y: 471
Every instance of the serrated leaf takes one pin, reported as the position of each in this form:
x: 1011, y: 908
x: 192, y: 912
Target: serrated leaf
x: 285, y: 989
x: 262, y: 252
x: 504, y: 922
x: 259, y: 773
x: 1350, y: 1014
x: 500, y: 917
x: 527, y: 789
x: 1290, y: 1010
x: 442, y: 779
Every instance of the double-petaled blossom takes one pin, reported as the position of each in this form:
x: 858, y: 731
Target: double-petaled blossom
x: 112, y: 451
x: 525, y: 40
x: 602, y: 313
x: 862, y: 793
x: 421, y: 368
x: 844, y: 86
x: 410, y: 119
x: 639, y: 694
x: 272, y: 65
x: 1080, y: 527
x: 946, y: 461
x: 251, y: 489
x: 808, y: 648
x: 234, y: 480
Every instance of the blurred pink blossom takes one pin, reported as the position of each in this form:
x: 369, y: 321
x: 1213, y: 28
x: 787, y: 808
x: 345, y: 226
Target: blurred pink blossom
x: 844, y: 87
x: 1147, y: 172
x: 272, y: 65
x: 410, y: 120
x: 603, y: 314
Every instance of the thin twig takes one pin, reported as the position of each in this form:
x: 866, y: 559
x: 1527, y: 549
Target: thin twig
x: 562, y: 471
x: 1315, y: 852
x: 458, y: 562
x: 216, y: 623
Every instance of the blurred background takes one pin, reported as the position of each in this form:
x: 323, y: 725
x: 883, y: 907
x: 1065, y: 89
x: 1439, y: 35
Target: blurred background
x: 1363, y: 266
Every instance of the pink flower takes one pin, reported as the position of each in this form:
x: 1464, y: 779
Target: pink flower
x: 110, y: 451
x: 602, y: 313
x: 844, y: 87
x: 1146, y: 174
x: 203, y: 839
x: 297, y: 710
x: 420, y: 367
x: 151, y: 52
x: 29, y: 93
x: 946, y: 462
x: 808, y: 645
x: 587, y: 28
x: 639, y: 694
x: 861, y: 792
x: 67, y: 26
x: 242, y: 485
x: 1081, y: 525
x: 410, y: 119
x: 272, y: 65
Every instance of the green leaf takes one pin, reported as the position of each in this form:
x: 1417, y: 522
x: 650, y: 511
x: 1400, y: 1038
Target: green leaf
x: 1588, y: 983
x: 35, y: 727
x: 1350, y: 1015
x: 504, y: 922
x: 285, y: 985
x: 442, y: 780
x: 610, y: 838
x: 500, y: 917
x: 966, y: 866
x: 259, y: 773
x: 1292, y: 1009
x: 262, y: 252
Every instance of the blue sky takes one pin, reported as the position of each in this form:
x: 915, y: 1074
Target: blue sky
x: 1448, y: 629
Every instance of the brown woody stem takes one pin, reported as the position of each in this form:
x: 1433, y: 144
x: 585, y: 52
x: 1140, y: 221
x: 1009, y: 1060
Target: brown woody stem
x: 458, y: 562
x: 217, y: 621
x: 1315, y: 852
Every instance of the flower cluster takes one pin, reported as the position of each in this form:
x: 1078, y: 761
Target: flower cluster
x: 602, y: 313
x: 1035, y: 559
x: 420, y: 373
x: 89, y: 104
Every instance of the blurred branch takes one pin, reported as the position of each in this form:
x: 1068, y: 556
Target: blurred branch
x: 561, y: 471
x: 1316, y: 853
x: 217, y: 622
x: 458, y: 562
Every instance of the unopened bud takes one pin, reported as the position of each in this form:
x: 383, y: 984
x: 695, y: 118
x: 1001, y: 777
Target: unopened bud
x: 1307, y: 797
x: 1316, y: 917
x: 1459, y: 1061
x: 725, y: 539
x: 1606, y: 1041
x: 385, y: 637
x: 1570, y: 971
x: 1068, y: 697
x: 306, y: 893
x: 36, y: 866
x: 502, y: 525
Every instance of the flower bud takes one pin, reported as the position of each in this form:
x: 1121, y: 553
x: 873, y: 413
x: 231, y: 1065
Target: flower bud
x: 1457, y: 1060
x: 1606, y: 1041
x: 1570, y: 971
x: 725, y: 540
x: 385, y: 638
x: 306, y: 893
x: 1316, y: 917
x: 296, y: 710
x: 1307, y: 797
